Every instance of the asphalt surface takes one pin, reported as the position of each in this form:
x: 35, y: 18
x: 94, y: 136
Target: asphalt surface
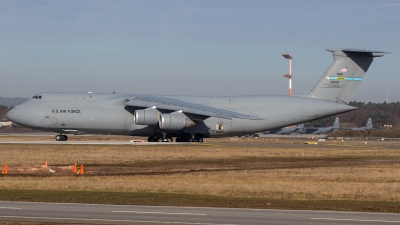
x: 123, y: 214
x: 92, y: 143
x: 358, y: 144
x: 355, y: 144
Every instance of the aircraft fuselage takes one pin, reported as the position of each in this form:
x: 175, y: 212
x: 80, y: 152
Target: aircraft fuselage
x: 80, y: 113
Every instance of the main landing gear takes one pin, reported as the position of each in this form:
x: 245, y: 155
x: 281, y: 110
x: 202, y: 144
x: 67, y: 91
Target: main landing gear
x: 189, y: 139
x: 186, y: 138
x: 61, y: 137
x: 160, y: 139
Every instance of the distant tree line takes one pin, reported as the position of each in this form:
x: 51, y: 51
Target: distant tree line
x: 381, y: 114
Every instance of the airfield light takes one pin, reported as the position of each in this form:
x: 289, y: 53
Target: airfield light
x: 289, y: 75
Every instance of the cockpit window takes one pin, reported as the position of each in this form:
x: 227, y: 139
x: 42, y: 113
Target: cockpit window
x: 37, y: 97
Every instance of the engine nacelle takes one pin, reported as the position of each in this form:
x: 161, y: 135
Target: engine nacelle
x: 174, y: 122
x: 146, y: 116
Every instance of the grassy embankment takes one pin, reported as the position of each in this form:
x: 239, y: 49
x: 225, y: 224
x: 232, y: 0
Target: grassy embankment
x: 342, y: 177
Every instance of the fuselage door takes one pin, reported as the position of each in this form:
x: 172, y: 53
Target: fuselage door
x: 53, y: 120
x: 47, y: 119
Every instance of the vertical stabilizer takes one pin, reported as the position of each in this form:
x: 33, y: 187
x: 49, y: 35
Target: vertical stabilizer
x: 341, y: 79
x: 336, y: 123
x: 368, y: 125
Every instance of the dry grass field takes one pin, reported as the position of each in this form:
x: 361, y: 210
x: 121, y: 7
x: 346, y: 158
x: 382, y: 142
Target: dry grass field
x: 329, y: 171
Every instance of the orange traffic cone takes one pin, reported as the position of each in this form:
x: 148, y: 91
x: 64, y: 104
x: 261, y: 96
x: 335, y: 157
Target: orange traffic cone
x: 75, y: 169
x: 82, y: 170
x: 45, y: 163
x: 5, y: 169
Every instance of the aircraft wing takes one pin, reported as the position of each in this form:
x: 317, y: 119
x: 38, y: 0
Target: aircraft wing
x: 170, y: 104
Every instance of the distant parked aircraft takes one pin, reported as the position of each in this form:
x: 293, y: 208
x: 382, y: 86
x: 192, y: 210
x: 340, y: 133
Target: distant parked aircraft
x: 285, y: 130
x: 368, y: 126
x: 321, y: 130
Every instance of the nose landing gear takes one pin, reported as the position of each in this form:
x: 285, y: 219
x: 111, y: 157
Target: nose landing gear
x: 61, y: 137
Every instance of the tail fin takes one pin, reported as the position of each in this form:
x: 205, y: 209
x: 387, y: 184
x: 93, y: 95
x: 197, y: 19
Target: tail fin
x: 336, y: 123
x: 368, y: 125
x: 340, y: 81
x: 300, y: 128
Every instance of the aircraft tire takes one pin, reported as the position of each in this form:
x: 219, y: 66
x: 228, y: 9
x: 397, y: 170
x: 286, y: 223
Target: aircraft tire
x: 59, y: 138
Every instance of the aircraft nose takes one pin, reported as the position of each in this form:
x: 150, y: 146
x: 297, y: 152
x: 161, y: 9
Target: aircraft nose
x: 27, y: 114
x: 13, y: 114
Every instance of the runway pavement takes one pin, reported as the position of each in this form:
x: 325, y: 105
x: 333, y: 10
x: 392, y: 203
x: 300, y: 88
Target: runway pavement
x: 123, y: 214
x: 355, y: 144
x: 92, y: 143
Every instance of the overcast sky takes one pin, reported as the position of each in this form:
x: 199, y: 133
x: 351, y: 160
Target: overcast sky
x: 216, y: 47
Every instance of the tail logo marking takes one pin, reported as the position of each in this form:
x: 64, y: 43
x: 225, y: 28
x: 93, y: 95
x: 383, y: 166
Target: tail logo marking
x: 345, y: 78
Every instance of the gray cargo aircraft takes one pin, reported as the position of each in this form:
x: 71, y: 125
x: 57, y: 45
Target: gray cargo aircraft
x: 368, y: 126
x: 192, y: 118
x: 286, y: 130
x: 321, y: 130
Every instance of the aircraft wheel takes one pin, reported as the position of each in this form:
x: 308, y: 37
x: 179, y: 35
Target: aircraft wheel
x: 150, y: 139
x: 190, y: 140
x: 169, y: 139
x: 59, y: 138
x: 159, y: 139
x: 64, y: 137
x: 178, y: 139
x: 200, y: 140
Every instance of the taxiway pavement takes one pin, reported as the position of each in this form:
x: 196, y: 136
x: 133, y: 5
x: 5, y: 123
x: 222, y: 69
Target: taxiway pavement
x: 91, y: 143
x: 124, y: 214
x: 353, y: 144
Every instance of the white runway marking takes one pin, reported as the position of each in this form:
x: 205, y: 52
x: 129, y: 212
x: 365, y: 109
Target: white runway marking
x: 358, y: 220
x: 166, y: 213
x: 9, y: 208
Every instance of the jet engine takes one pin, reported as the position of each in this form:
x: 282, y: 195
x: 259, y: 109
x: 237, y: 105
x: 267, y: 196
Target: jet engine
x: 146, y: 116
x: 174, y: 121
